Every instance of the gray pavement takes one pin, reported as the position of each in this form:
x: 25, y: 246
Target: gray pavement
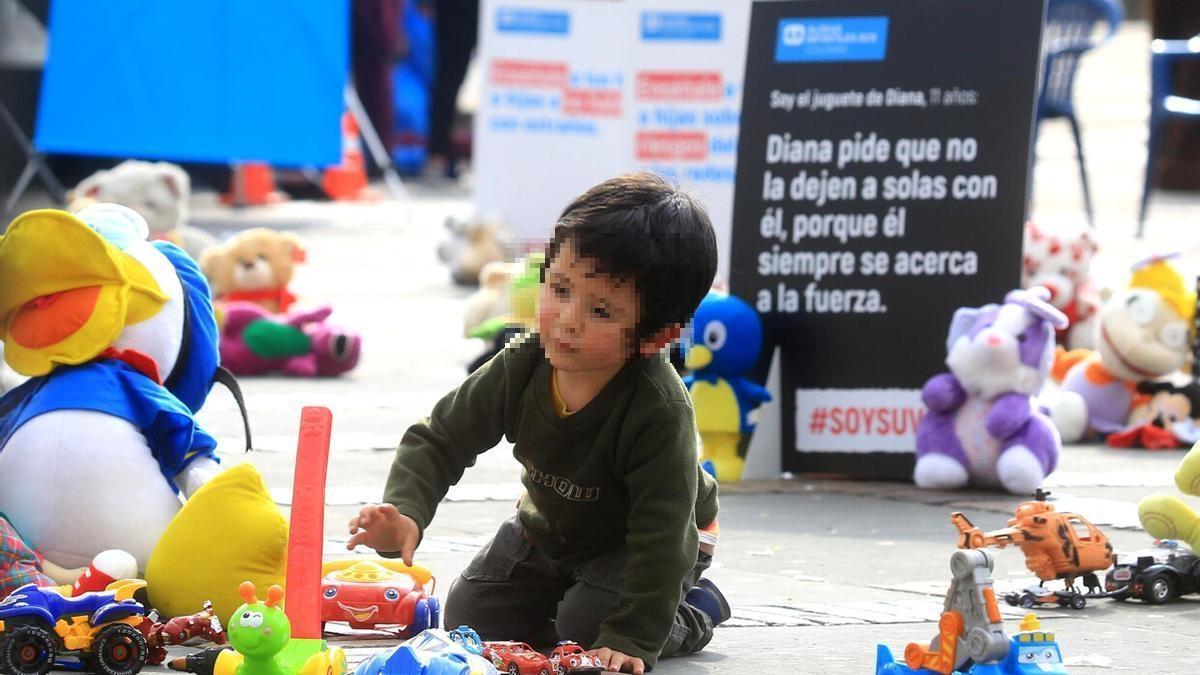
x: 818, y: 571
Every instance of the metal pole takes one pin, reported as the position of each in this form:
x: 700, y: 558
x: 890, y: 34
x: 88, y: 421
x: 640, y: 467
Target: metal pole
x: 35, y: 164
x: 375, y: 146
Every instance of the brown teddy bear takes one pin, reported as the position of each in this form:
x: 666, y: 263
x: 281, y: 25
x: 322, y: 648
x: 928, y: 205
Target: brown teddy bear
x: 255, y: 265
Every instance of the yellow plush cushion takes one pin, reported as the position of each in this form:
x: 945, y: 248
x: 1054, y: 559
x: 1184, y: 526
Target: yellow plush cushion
x: 230, y: 531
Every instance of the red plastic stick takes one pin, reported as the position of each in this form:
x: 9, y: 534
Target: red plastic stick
x: 306, y: 536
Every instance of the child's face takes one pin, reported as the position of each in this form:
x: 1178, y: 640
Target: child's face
x: 586, y: 319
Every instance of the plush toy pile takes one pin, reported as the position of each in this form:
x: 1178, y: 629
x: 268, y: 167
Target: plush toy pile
x: 504, y: 306
x: 262, y: 331
x: 118, y: 337
x: 1141, y: 334
x: 983, y: 426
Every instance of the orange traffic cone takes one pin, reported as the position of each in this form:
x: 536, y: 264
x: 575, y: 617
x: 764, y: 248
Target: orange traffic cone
x: 252, y: 184
x: 348, y: 181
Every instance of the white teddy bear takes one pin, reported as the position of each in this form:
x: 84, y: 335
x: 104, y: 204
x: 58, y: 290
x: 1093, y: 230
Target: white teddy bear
x: 157, y: 191
x: 1059, y: 259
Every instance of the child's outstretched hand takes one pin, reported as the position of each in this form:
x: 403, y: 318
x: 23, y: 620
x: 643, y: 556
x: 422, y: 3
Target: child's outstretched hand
x: 383, y: 528
x: 615, y: 661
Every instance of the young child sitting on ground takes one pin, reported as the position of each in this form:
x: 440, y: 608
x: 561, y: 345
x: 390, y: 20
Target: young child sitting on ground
x: 605, y: 548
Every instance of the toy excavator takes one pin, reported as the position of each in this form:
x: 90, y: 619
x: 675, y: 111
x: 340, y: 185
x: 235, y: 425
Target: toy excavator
x: 1056, y: 546
x: 970, y: 628
x: 971, y: 639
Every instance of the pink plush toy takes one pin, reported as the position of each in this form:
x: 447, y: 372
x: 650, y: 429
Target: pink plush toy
x: 256, y: 342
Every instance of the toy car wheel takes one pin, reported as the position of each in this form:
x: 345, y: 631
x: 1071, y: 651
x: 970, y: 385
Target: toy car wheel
x: 1028, y: 601
x: 1078, y: 602
x: 513, y: 669
x: 561, y: 669
x: 543, y: 671
x: 119, y: 649
x: 28, y: 650
x: 1158, y: 589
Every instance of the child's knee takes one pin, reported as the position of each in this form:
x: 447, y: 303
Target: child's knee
x: 465, y: 605
x: 583, y: 608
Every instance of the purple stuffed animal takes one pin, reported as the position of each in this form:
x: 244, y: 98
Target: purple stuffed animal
x: 983, y: 426
x: 255, y: 342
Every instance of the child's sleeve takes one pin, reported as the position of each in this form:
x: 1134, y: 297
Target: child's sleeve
x: 661, y: 477
x: 435, y: 451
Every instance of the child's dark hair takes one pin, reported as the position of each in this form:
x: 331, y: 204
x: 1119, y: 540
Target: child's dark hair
x: 639, y: 227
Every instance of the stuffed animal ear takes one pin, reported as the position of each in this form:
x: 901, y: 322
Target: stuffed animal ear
x: 1036, y: 301
x: 964, y: 318
x: 88, y: 187
x: 212, y: 262
x: 175, y: 178
x: 295, y: 248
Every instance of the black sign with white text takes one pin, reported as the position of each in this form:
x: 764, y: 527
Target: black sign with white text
x: 882, y: 173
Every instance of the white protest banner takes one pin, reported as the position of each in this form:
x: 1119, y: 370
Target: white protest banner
x: 686, y: 84
x: 552, y: 118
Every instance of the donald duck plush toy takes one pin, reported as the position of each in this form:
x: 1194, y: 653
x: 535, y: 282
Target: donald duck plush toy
x: 726, y: 339
x: 118, y: 336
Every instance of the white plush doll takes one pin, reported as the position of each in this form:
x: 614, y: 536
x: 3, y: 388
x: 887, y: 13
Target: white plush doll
x: 1059, y: 259
x: 158, y: 191
x: 118, y: 337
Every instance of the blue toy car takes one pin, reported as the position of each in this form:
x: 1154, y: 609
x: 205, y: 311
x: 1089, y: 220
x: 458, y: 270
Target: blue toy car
x: 37, y: 625
x: 431, y: 652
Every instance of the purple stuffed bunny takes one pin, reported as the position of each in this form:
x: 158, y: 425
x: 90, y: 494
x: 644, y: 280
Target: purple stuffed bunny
x: 983, y: 426
x: 255, y: 342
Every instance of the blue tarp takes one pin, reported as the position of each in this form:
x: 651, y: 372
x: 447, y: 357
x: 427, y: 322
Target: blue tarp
x: 209, y: 81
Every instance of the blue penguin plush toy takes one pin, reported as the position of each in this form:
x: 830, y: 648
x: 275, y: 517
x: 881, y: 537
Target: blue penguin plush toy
x: 726, y: 340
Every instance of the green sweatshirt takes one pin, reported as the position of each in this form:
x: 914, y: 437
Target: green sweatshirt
x: 621, y: 470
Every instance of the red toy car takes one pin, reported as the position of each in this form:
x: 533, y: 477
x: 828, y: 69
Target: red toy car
x: 369, y: 593
x: 568, y: 657
x: 517, y: 658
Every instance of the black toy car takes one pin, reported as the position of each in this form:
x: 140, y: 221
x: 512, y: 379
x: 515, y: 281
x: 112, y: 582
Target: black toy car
x: 1156, y: 575
x: 1037, y: 595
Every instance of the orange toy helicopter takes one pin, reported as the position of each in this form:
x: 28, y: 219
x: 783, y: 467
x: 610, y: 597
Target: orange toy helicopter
x: 1056, y: 545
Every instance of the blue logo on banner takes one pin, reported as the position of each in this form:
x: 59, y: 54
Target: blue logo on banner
x: 835, y: 38
x: 516, y: 20
x: 680, y: 26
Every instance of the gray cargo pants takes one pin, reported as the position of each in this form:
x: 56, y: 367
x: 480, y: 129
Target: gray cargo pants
x: 512, y: 590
